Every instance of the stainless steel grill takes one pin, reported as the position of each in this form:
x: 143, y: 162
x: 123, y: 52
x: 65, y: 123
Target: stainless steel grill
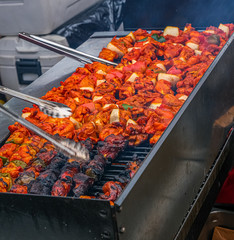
x: 167, y: 194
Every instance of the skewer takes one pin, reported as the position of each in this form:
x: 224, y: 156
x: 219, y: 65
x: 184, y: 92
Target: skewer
x: 68, y: 147
x: 58, y: 48
x: 50, y: 108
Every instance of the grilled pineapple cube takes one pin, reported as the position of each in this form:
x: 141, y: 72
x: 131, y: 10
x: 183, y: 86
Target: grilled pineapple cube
x: 173, y: 79
x: 132, y: 36
x: 192, y: 45
x: 113, y: 48
x: 114, y: 117
x: 224, y: 28
x: 172, y: 31
x: 132, y: 77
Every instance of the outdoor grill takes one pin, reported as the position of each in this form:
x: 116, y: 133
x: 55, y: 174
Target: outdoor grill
x: 171, y: 192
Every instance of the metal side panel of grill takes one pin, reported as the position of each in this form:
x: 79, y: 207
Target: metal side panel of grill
x: 52, y: 218
x: 159, y: 196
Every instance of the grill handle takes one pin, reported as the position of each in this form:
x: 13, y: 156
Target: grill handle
x: 60, y: 49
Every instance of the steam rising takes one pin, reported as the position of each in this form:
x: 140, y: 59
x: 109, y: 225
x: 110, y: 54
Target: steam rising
x: 154, y: 14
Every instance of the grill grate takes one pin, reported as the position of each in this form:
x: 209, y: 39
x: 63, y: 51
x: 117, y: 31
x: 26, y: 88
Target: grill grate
x: 119, y: 165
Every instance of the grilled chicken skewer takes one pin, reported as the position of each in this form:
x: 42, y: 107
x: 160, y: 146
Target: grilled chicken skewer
x: 69, y: 52
x: 68, y: 147
x: 50, y: 108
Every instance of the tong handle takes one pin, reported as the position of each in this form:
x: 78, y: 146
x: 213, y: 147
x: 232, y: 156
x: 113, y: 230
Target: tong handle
x: 53, y: 109
x: 58, y: 48
x: 20, y: 95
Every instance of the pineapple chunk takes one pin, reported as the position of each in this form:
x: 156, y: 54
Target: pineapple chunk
x: 173, y: 79
x: 114, y: 117
x: 75, y: 122
x: 25, y: 115
x: 182, y: 59
x: 209, y: 31
x: 132, y: 36
x: 96, y: 98
x: 198, y: 52
x: 185, y: 29
x: 90, y: 89
x: 100, y: 82
x: 184, y: 97
x: 178, y: 44
x: 131, y: 48
x: 154, y: 105
x: 224, y: 28
x: 115, y: 49
x: 108, y: 105
x: 101, y: 72
x: 147, y: 42
x: 172, y: 31
x: 192, y: 45
x: 153, y: 80
x: 130, y: 121
x: 160, y: 65
x: 77, y: 99
x: 132, y: 77
x: 120, y: 68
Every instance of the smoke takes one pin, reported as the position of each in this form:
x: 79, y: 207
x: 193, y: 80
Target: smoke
x: 153, y: 14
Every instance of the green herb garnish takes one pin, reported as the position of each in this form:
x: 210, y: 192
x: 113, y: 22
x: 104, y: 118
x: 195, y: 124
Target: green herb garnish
x: 126, y: 106
x: 157, y: 38
x: 142, y: 40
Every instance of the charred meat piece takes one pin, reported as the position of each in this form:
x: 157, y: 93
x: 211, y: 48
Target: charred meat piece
x: 112, y: 146
x: 89, y: 144
x: 49, y: 176
x: 111, y: 190
x: 46, y: 155
x: 73, y: 165
x: 95, y: 168
x: 39, y: 165
x: 63, y: 185
x: 61, y: 188
x: 125, y: 176
x: 44, y: 183
x: 39, y: 188
x: 25, y: 177
x: 82, y: 184
x: 57, y: 162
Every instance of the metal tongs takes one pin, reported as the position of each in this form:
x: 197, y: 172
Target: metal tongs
x: 50, y: 108
x: 68, y: 147
x: 58, y: 48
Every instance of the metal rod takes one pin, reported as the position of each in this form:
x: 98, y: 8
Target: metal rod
x: 58, y: 48
x: 67, y: 150
x: 53, y: 109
